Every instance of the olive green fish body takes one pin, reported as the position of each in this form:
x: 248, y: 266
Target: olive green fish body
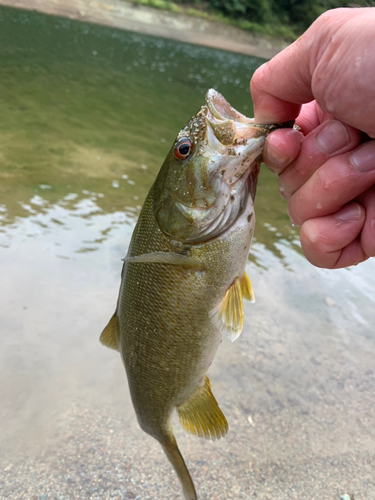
x: 166, y: 331
x: 183, y: 280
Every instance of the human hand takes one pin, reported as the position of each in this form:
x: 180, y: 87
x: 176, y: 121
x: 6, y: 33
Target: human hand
x: 326, y: 175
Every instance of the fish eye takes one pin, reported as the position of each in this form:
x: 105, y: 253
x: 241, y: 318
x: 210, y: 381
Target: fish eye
x: 183, y: 148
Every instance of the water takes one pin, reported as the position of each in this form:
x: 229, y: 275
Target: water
x: 87, y: 116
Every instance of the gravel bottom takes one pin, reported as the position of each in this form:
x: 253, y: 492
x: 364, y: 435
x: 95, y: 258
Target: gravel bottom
x: 101, y: 457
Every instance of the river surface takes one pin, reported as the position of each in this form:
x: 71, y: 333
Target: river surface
x: 87, y: 115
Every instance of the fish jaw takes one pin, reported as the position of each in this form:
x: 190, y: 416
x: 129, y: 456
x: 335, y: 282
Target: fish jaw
x: 237, y: 140
x: 220, y: 108
x: 239, y: 157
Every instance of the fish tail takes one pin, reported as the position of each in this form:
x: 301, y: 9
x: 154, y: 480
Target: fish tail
x: 174, y: 455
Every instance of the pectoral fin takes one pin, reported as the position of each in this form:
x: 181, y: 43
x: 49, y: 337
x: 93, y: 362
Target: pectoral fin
x: 172, y: 258
x: 201, y: 415
x: 228, y: 315
x: 109, y: 336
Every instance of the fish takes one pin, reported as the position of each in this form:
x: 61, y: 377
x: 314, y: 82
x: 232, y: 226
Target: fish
x: 183, y: 280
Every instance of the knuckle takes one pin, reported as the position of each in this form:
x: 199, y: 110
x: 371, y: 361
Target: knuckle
x: 302, y: 167
x: 326, y: 17
x: 324, y: 183
x: 334, y: 178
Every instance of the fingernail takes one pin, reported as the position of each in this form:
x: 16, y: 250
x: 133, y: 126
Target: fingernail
x: 276, y: 156
x: 294, y: 224
x: 332, y: 137
x: 363, y: 158
x: 349, y: 213
x: 283, y: 192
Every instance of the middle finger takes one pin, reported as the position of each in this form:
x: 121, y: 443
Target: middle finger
x: 329, y: 139
x: 341, y: 179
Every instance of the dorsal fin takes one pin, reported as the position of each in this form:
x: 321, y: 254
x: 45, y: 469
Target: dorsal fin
x: 109, y: 336
x: 201, y: 415
x: 228, y: 315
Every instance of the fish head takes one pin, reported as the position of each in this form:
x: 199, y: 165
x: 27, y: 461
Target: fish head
x: 209, y: 173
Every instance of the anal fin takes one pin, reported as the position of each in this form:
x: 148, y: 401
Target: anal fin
x: 201, y: 415
x: 109, y: 336
x: 228, y: 315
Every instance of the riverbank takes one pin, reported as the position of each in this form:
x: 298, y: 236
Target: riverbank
x: 132, y: 17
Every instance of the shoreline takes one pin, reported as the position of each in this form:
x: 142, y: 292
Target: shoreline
x: 127, y: 16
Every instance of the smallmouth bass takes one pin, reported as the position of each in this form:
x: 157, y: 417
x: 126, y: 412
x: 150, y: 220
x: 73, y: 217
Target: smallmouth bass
x: 183, y: 280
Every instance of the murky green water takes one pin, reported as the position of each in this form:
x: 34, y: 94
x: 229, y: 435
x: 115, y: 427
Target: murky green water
x: 87, y: 115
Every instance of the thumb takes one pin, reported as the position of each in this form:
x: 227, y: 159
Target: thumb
x: 320, y: 65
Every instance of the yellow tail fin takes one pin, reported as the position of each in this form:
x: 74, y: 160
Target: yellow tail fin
x: 201, y: 415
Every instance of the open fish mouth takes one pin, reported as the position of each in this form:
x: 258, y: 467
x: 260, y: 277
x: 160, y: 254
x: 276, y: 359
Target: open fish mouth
x: 236, y: 139
x: 221, y: 109
x: 229, y: 125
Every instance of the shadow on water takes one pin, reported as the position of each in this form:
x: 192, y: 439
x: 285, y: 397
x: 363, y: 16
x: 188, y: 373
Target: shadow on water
x: 87, y: 116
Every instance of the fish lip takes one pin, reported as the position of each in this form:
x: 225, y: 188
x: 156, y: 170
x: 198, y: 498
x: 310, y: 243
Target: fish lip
x: 238, y: 126
x: 221, y: 109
